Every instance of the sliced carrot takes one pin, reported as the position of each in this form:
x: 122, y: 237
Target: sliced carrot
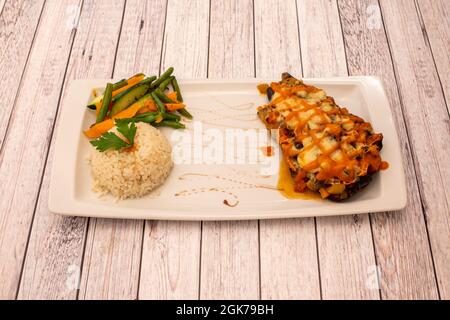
x: 149, y: 106
x: 175, y: 106
x: 129, y: 112
x: 144, y: 110
x: 100, y: 128
x: 172, y: 96
x: 131, y: 82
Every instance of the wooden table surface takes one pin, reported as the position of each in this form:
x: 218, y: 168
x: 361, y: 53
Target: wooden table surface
x: 44, y: 44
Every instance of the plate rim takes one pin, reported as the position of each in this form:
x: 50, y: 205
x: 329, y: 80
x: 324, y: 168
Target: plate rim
x: 371, y: 87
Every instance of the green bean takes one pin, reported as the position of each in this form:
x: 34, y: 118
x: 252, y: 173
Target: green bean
x: 177, y: 89
x: 163, y: 86
x: 169, y: 120
x: 105, y: 104
x: 159, y: 105
x: 163, y: 77
x: 163, y: 97
x: 148, y: 119
x: 122, y: 83
x: 171, y: 116
x: 166, y: 99
x: 149, y: 80
x: 146, y: 114
x: 170, y: 123
x: 140, y: 74
x: 185, y: 113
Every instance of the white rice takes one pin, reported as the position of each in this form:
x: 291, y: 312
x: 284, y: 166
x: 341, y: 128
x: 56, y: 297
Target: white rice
x: 133, y: 173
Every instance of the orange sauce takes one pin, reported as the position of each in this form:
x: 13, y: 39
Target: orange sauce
x: 267, y: 151
x: 286, y: 185
x: 133, y: 148
x: 384, y: 165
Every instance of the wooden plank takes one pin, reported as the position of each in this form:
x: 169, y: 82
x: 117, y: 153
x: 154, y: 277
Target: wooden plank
x: 276, y: 39
x: 141, y: 38
x: 346, y: 257
x: 111, y: 260
x: 25, y: 148
x: 171, y: 250
x: 323, y: 53
x: 435, y: 22
x: 344, y: 243
x: 289, y: 265
x: 401, y: 243
x: 2, y: 5
x: 428, y: 125
x: 230, y: 250
x: 231, y: 47
x: 54, y: 257
x: 289, y: 268
x: 18, y: 22
x: 113, y: 248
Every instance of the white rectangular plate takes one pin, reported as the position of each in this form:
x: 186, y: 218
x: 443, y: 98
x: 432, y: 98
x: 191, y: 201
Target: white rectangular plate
x: 201, y: 187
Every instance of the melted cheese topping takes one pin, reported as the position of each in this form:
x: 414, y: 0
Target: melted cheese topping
x: 323, y: 144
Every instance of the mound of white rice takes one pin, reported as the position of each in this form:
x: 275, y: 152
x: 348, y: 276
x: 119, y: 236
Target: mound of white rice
x: 133, y: 173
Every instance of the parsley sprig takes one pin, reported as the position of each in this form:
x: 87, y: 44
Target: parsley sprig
x: 110, y: 140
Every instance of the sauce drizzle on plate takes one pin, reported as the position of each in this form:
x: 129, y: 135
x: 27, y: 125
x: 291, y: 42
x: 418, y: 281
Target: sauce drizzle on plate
x: 286, y: 185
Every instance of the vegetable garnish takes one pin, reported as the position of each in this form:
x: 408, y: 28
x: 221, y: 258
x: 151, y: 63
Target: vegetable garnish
x: 176, y: 87
x: 185, y: 113
x: 118, y: 87
x: 151, y: 100
x: 110, y: 140
x: 163, y: 77
x: 159, y: 105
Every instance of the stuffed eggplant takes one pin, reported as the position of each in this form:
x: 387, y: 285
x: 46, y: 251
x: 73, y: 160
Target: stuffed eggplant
x: 328, y: 150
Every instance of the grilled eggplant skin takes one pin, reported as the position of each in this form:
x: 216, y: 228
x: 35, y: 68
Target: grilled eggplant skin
x: 272, y: 119
x: 352, y: 189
